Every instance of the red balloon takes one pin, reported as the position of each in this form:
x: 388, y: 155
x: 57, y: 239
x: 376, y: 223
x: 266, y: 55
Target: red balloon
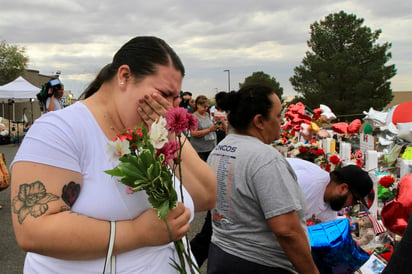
x: 354, y: 126
x: 341, y: 127
x: 402, y: 113
x: 395, y: 214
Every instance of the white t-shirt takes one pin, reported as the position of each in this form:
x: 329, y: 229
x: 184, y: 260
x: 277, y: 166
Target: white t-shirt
x: 72, y: 139
x: 57, y: 103
x: 313, y: 181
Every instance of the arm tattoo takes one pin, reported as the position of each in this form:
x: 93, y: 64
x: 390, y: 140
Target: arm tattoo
x: 70, y: 193
x: 32, y: 199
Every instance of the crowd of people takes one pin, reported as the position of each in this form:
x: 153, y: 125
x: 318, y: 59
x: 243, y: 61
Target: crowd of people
x: 257, y: 201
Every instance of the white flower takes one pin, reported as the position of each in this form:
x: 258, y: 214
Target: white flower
x: 159, y: 133
x: 117, y: 149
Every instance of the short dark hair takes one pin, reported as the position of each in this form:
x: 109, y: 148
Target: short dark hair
x: 141, y: 54
x: 357, y: 179
x: 242, y: 106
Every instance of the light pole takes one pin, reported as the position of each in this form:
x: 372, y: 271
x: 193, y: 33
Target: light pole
x: 228, y: 79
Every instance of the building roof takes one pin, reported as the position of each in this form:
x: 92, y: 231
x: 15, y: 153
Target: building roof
x: 37, y: 79
x: 399, y: 97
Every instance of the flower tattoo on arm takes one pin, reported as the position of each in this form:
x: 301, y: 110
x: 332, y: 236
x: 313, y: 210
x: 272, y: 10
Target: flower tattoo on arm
x: 32, y: 199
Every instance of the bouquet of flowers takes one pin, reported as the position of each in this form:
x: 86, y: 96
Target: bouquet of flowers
x: 148, y: 160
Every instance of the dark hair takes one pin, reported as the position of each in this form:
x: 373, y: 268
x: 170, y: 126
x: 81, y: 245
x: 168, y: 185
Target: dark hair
x: 141, y: 54
x: 245, y: 104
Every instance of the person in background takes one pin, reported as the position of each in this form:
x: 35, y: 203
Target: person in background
x: 64, y: 204
x: 187, y: 101
x: 220, y: 119
x: 327, y: 193
x: 53, y: 102
x: 212, y: 111
x: 259, y: 221
x: 204, y: 138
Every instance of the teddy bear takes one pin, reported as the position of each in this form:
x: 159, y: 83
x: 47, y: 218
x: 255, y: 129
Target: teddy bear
x: 366, y: 232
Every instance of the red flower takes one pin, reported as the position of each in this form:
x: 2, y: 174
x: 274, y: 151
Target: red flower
x: 387, y: 255
x: 312, y: 150
x: 169, y: 151
x: 325, y: 167
x: 319, y: 152
x: 303, y: 150
x: 129, y: 135
x: 334, y: 159
x: 309, y: 222
x: 359, y: 162
x: 358, y: 154
x: 386, y: 181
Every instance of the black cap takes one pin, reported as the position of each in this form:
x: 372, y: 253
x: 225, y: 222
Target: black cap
x: 358, y: 181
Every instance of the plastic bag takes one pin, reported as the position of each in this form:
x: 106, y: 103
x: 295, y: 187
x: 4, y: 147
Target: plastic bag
x: 4, y: 173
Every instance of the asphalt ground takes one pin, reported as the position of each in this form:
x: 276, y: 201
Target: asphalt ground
x: 11, y: 255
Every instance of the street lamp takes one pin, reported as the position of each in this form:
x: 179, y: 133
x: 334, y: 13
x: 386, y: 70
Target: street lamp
x: 228, y: 79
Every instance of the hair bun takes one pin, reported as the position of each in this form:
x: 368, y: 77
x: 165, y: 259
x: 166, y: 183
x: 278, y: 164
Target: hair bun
x: 227, y: 100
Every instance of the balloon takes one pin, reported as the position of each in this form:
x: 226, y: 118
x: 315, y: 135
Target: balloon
x: 333, y: 249
x: 341, y: 127
x: 354, y: 126
x: 395, y: 214
x: 367, y: 129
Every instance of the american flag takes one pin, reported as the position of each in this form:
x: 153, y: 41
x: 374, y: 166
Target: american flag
x: 378, y: 227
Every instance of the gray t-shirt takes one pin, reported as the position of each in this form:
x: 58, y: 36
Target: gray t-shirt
x: 205, y: 143
x: 255, y: 183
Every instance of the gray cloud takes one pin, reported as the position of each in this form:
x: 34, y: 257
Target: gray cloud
x: 78, y: 37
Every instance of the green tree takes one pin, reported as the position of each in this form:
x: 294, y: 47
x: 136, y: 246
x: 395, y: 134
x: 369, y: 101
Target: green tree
x: 345, y: 68
x: 261, y: 77
x: 13, y: 62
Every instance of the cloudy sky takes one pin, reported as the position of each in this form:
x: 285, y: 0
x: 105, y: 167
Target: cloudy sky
x: 78, y: 37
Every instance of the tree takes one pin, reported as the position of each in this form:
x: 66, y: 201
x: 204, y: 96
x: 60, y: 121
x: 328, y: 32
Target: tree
x: 346, y: 68
x: 261, y: 77
x: 13, y: 62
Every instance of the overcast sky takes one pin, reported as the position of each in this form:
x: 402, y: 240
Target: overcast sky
x: 78, y: 37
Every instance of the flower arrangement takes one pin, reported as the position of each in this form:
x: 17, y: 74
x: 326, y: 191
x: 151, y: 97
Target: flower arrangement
x: 386, y: 188
x: 357, y: 157
x: 148, y: 160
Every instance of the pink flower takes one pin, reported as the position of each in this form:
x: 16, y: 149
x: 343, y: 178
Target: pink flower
x: 193, y: 121
x: 129, y: 190
x: 169, y: 151
x: 177, y: 121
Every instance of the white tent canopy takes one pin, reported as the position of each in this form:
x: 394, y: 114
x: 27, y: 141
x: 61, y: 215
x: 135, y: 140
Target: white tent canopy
x: 18, y: 90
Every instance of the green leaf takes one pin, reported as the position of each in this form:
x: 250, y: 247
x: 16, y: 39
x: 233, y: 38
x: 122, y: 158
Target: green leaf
x: 150, y: 171
x: 114, y: 172
x: 163, y: 210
